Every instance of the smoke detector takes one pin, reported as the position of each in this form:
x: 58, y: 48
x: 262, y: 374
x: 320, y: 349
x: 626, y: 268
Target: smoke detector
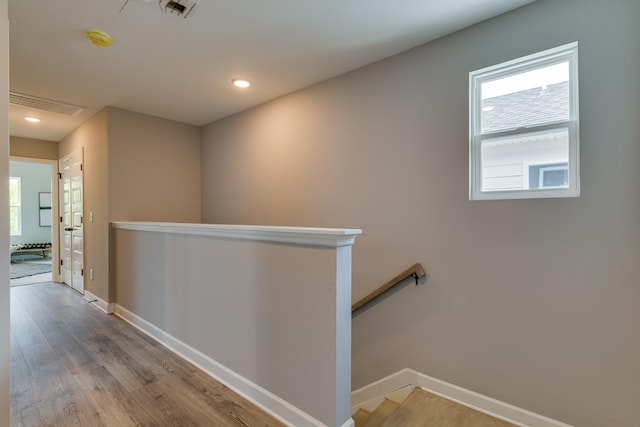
x: 178, y: 7
x: 98, y: 38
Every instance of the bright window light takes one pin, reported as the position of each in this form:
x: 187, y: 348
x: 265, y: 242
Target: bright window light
x: 523, y: 125
x: 15, y: 207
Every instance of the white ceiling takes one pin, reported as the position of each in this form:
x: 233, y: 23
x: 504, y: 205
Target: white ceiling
x: 180, y: 69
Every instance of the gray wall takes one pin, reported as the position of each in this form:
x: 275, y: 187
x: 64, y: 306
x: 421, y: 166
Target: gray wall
x: 33, y: 148
x: 136, y: 167
x: 273, y: 313
x: 534, y: 302
x: 92, y: 138
x: 154, y: 168
x: 5, y: 354
x: 35, y: 178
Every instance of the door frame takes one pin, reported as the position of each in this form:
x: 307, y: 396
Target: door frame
x: 55, y: 223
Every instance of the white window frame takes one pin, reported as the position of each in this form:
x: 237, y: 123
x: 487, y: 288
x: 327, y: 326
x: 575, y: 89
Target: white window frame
x: 568, y: 52
x: 18, y: 206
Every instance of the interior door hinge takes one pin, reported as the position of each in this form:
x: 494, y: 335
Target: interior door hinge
x: 82, y: 271
x: 60, y: 219
x: 61, y: 262
x: 81, y: 166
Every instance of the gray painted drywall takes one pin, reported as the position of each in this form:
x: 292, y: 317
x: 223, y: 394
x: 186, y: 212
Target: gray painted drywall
x: 276, y: 314
x: 533, y: 302
x: 35, y: 178
x: 33, y: 148
x: 92, y: 138
x: 137, y: 167
x: 5, y: 353
x: 154, y: 168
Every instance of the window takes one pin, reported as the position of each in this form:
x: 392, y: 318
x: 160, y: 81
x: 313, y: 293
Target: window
x: 523, y: 125
x: 549, y: 176
x: 15, y: 209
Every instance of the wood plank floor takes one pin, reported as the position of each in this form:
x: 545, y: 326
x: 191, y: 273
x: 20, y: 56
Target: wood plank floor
x: 422, y: 408
x: 73, y: 365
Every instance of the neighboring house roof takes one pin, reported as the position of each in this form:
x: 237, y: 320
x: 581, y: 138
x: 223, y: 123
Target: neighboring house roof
x: 525, y: 108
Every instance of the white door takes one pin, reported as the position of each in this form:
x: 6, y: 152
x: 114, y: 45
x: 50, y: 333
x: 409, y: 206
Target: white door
x: 71, y: 222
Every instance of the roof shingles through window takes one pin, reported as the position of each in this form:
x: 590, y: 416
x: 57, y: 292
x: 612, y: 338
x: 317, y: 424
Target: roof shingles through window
x: 525, y: 108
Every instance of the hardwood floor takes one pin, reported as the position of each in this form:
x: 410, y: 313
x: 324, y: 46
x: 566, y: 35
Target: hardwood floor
x: 72, y: 365
x: 424, y: 409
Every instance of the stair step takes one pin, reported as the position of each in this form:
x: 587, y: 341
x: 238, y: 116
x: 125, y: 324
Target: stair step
x: 423, y: 409
x: 360, y: 416
x: 382, y: 412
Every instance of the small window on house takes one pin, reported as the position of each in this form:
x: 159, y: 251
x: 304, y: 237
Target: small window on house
x: 524, y: 127
x: 15, y: 207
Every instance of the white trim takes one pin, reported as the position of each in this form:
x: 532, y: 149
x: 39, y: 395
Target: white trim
x: 267, y: 401
x: 549, y: 55
x: 468, y: 398
x: 381, y: 388
x: 71, y: 154
x: 328, y: 237
x: 98, y: 302
x: 79, y: 152
x: 349, y: 423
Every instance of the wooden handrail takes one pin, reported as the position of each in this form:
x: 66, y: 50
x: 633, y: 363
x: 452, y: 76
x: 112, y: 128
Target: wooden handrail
x: 416, y: 271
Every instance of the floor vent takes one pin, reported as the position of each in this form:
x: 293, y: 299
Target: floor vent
x: 43, y: 104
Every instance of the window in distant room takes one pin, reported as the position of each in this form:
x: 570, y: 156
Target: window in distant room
x: 523, y: 124
x: 15, y: 209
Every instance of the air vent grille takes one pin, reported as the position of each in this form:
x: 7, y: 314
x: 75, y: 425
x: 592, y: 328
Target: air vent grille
x: 44, y: 104
x: 178, y: 7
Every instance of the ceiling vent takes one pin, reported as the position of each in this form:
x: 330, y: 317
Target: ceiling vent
x: 178, y: 7
x: 43, y: 104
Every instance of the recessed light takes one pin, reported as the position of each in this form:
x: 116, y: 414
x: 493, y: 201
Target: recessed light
x: 242, y: 83
x: 32, y: 119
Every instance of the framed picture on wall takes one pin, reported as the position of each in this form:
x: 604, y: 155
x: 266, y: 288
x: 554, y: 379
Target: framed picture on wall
x: 45, y: 200
x: 45, y: 209
x: 45, y: 217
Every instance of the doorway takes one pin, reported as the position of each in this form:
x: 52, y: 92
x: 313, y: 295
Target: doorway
x: 32, y: 200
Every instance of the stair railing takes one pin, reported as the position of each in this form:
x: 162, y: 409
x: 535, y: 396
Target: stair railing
x: 416, y: 271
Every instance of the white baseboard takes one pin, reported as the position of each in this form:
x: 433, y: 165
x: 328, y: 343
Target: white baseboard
x: 99, y: 302
x: 267, y: 401
x: 369, y: 397
x: 405, y: 379
x: 349, y: 423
